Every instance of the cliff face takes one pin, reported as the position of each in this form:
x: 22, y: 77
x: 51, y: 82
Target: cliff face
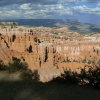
x: 46, y: 52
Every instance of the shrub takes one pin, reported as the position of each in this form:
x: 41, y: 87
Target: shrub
x: 70, y: 76
x: 90, y: 76
x: 35, y: 75
x: 2, y: 65
x: 16, y: 65
x: 29, y: 75
x: 94, y: 76
x: 26, y: 75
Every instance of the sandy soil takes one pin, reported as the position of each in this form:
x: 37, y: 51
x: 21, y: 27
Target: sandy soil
x: 28, y: 90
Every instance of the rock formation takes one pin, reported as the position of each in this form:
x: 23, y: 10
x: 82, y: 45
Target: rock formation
x: 47, y: 51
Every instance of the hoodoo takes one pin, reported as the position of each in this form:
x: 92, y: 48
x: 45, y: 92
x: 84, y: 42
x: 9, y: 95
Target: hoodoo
x: 49, y: 50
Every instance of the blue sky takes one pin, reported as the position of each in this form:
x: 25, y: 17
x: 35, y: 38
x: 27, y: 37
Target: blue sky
x: 83, y: 10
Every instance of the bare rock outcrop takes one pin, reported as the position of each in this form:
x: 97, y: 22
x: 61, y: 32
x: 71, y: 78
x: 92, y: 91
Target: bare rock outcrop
x: 49, y: 54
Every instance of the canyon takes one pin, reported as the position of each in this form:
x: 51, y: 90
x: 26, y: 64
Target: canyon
x: 49, y: 50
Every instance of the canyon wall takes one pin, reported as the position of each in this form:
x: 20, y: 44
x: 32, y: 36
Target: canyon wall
x: 45, y: 52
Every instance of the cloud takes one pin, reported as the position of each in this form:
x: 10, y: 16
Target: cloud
x: 98, y: 4
x: 25, y: 6
x: 43, y: 11
x: 50, y: 9
x: 67, y: 1
x: 38, y: 9
x: 10, y: 2
x: 42, y: 2
x: 86, y: 10
x: 8, y: 14
x: 35, y: 8
x: 91, y: 1
x: 29, y: 10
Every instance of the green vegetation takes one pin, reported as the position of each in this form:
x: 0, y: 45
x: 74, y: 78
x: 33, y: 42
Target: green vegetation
x: 2, y: 65
x: 17, y: 66
x: 89, y: 75
x: 84, y: 77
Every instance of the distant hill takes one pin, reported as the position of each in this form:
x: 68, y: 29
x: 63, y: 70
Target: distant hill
x: 74, y: 25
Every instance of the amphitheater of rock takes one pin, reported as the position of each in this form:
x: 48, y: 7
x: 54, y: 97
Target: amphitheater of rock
x: 49, y: 50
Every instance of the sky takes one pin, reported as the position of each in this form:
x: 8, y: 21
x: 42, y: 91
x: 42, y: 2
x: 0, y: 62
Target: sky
x: 82, y: 10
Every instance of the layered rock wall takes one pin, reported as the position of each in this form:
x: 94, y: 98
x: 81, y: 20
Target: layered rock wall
x: 44, y: 52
